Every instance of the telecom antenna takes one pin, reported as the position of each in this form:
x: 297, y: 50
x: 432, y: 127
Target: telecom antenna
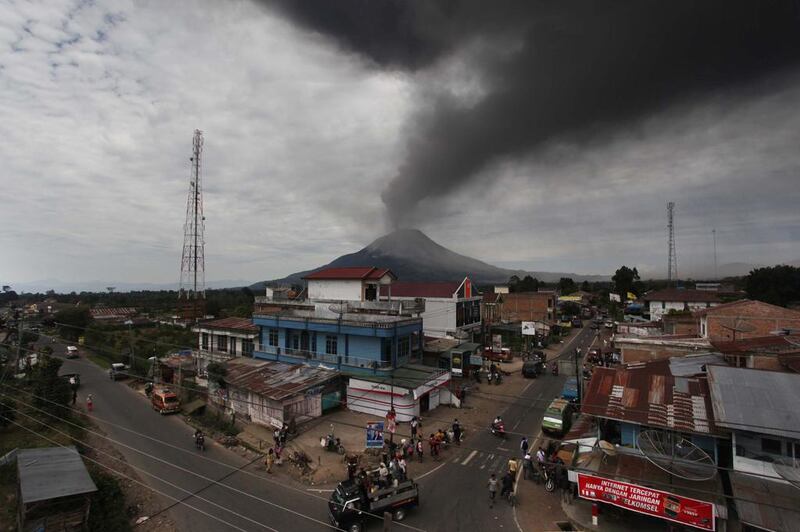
x: 714, y: 235
x: 672, y: 265
x: 193, y: 275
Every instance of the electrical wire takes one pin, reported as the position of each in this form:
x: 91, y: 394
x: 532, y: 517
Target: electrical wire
x: 127, y: 477
x: 167, y: 444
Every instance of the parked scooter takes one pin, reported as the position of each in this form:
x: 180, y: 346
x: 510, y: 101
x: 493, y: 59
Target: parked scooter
x: 332, y: 444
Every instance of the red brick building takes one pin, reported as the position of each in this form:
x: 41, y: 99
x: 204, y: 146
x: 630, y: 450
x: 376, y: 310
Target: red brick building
x: 745, y: 319
x: 528, y: 306
x: 766, y: 352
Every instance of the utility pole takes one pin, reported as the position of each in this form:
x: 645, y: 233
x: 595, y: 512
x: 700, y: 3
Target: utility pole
x: 672, y: 261
x: 578, y: 376
x: 193, y: 258
x: 714, y: 235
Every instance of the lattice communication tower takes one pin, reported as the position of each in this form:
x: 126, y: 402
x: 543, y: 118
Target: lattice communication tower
x: 193, y: 275
x: 672, y: 265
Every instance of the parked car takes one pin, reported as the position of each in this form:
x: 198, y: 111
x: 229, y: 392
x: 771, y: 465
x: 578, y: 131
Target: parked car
x: 165, y: 401
x: 118, y: 371
x: 72, y: 351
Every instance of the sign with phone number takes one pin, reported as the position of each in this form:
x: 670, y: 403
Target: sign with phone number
x: 699, y: 514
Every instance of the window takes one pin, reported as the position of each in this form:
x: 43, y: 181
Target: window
x: 247, y: 347
x: 232, y: 346
x: 204, y: 341
x: 222, y: 343
x: 771, y: 446
x: 273, y: 337
x: 403, y: 347
x: 331, y: 345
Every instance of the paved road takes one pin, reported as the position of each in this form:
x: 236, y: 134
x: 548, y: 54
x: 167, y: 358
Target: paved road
x: 455, y: 496
x: 118, y: 405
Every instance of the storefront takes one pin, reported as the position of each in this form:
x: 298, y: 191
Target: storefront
x: 411, y: 391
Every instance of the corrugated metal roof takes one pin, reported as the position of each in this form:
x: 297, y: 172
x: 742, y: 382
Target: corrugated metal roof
x: 233, y: 324
x: 648, y: 394
x: 756, y: 400
x: 52, y: 472
x: 275, y: 380
x: 758, y: 501
x: 356, y: 272
x: 693, y: 364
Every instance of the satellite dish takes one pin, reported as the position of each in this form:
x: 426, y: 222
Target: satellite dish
x: 676, y: 455
x: 339, y: 308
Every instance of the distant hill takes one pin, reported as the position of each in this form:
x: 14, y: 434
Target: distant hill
x: 413, y: 256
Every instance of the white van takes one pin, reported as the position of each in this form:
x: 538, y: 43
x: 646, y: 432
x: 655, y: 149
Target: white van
x: 72, y: 352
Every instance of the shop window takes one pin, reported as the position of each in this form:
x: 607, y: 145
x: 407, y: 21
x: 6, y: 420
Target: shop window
x: 222, y: 343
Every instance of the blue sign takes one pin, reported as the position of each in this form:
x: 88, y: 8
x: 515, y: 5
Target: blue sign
x: 375, y: 434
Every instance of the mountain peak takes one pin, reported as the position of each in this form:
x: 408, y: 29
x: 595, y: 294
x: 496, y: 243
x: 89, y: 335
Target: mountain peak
x: 400, y: 242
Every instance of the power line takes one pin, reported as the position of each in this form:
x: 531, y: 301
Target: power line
x: 126, y: 477
x: 167, y: 444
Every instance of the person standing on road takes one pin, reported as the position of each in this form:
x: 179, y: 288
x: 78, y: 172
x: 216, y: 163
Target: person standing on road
x: 492, y: 489
x: 414, y: 426
x: 419, y: 449
x: 457, y: 431
x: 269, y: 460
x: 74, y: 397
x: 523, y: 445
x: 89, y: 403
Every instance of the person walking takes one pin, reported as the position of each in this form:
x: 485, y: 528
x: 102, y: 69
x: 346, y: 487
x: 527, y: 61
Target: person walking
x: 419, y: 449
x: 527, y: 466
x: 89, y: 403
x: 457, y: 431
x: 492, y: 484
x: 523, y: 445
x: 269, y: 460
x: 414, y: 426
x: 74, y: 397
x: 403, y: 468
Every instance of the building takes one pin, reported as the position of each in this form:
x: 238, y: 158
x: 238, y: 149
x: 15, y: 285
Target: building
x: 658, y: 438
x: 339, y: 323
x: 759, y: 410
x: 774, y: 352
x: 275, y: 393
x: 112, y: 314
x: 635, y: 349
x: 746, y: 319
x: 661, y: 302
x: 54, y: 489
x: 452, y: 309
x: 349, y: 284
x: 411, y: 391
x: 529, y: 306
x: 223, y: 339
x: 681, y: 323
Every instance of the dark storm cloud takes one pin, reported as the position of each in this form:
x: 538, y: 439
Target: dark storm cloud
x: 574, y: 69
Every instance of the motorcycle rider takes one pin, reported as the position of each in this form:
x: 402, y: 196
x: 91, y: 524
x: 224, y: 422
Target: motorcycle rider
x: 498, y: 426
x: 199, y: 439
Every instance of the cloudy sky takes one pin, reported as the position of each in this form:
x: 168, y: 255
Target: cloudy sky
x: 526, y: 137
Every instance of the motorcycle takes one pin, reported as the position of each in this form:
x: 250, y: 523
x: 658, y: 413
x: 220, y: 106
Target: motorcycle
x: 549, y: 477
x: 334, y: 445
x: 498, y: 429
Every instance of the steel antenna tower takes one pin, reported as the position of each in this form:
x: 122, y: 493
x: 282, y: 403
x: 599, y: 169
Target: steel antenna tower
x: 193, y: 276
x: 672, y: 265
x: 714, y: 235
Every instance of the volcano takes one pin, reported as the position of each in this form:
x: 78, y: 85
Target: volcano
x: 413, y: 256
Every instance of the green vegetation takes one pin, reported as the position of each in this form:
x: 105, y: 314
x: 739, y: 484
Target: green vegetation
x: 107, y: 503
x: 567, y: 286
x: 627, y: 280
x: 527, y: 284
x: 778, y: 285
x: 73, y: 321
x: 52, y: 392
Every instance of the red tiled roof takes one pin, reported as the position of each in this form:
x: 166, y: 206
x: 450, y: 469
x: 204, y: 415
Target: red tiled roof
x: 236, y: 324
x: 676, y: 295
x: 762, y: 343
x: 443, y: 289
x: 357, y: 272
x: 112, y: 312
x: 646, y: 394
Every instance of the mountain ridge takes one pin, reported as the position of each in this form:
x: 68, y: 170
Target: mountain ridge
x: 413, y: 256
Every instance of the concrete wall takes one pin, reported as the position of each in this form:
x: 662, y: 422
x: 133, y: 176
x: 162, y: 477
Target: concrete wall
x: 635, y: 352
x: 335, y: 290
x: 439, y: 317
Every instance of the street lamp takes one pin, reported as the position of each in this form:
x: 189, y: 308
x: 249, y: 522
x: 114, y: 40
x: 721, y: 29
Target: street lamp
x: 578, y: 376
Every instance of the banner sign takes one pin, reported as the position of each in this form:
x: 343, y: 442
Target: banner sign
x: 375, y: 434
x: 699, y: 514
x: 529, y: 328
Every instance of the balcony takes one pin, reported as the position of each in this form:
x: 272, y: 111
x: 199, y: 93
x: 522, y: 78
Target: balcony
x: 338, y: 361
x: 390, y: 308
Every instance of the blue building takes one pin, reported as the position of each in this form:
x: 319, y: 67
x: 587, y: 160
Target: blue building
x: 340, y: 325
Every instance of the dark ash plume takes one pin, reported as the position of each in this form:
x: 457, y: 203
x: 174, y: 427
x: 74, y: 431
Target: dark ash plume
x: 577, y: 69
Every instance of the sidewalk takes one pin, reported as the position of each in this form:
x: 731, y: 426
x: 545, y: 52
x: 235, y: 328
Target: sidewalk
x: 537, y: 510
x: 579, y: 513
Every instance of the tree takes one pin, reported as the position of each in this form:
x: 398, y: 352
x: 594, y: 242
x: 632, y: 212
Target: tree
x: 567, y: 286
x: 106, y: 503
x: 585, y: 286
x: 777, y: 285
x: 51, y: 392
x: 213, y: 307
x: 626, y: 280
x: 7, y: 413
x: 72, y: 321
x: 217, y: 373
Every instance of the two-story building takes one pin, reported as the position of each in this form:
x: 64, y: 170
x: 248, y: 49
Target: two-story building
x: 745, y: 318
x: 661, y: 302
x: 223, y: 339
x: 452, y: 309
x: 759, y: 410
x: 340, y: 323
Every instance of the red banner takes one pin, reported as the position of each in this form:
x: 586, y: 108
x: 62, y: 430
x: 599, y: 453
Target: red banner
x: 647, y: 501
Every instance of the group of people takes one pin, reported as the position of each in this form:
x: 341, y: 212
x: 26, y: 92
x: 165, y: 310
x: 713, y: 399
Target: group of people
x: 436, y: 440
x: 273, y: 455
